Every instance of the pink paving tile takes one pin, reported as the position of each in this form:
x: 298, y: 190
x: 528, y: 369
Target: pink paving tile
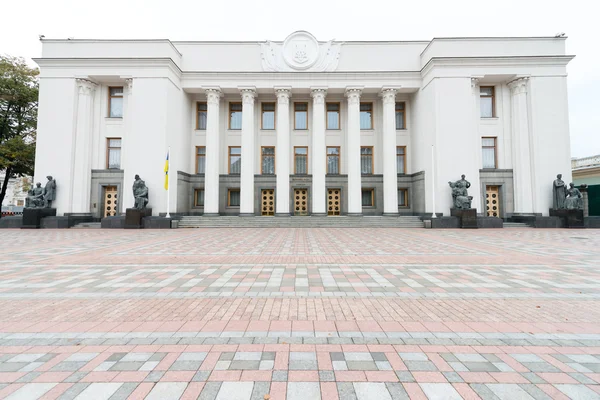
x: 414, y: 391
x: 236, y: 326
x: 278, y: 391
x: 594, y: 377
x: 396, y: 362
x: 381, y: 376
x: 131, y: 376
x: 347, y: 326
x: 429, y: 377
x: 177, y: 376
x: 192, y: 326
x: 107, y: 376
x: 192, y: 392
x: 413, y: 327
x: 221, y: 348
x: 251, y: 347
x: 52, y: 377
x: 324, y: 360
x: 329, y: 347
x: 350, y: 376
x: 391, y: 326
x: 436, y: 327
x: 407, y: 348
x: 595, y: 388
x: 280, y: 326
x: 14, y: 349
x: 329, y: 391
x: 303, y: 347
x: 556, y: 377
x: 434, y: 349
x: 465, y: 391
x: 194, y: 348
x: 439, y: 362
x: 225, y: 376
x: 553, y: 392
x: 355, y: 348
x: 256, y: 376
x: 325, y: 326
x: 210, y: 361
x: 302, y: 326
x: 508, y: 377
x: 214, y: 326
x: 281, y: 360
x: 144, y: 388
x: 277, y: 347
x: 56, y: 391
x: 173, y: 348
x: 167, y: 361
x: 5, y: 392
x: 560, y: 365
x: 382, y: 348
x: 303, y: 376
x: 477, y: 377
x: 369, y: 326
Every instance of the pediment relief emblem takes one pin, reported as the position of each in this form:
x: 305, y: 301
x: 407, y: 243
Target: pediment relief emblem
x: 300, y: 52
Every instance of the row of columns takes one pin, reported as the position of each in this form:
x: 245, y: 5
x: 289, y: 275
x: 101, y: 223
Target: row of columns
x: 319, y: 166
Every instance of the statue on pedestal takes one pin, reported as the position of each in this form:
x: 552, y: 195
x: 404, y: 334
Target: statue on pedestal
x: 49, y: 192
x: 35, y: 197
x: 559, y: 193
x: 140, y: 193
x: 460, y: 197
x: 574, y: 199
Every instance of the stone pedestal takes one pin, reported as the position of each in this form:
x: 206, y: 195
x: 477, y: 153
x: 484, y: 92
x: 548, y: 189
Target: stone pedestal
x: 116, y: 222
x: 445, y: 223
x: 156, y: 223
x: 489, y: 222
x: 468, y: 217
x: 69, y: 220
x: 133, y: 217
x: 11, y: 222
x: 32, y: 217
x: 570, y: 218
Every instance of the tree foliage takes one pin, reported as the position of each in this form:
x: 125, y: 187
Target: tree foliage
x: 18, y: 118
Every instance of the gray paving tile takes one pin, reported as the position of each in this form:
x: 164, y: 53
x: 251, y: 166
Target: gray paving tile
x: 440, y: 391
x: 371, y: 390
x: 235, y: 391
x: 167, y: 391
x: 346, y: 391
x: 268, y: 355
x: 533, y: 378
x: 397, y: 391
x: 540, y: 367
x: 68, y: 366
x: 453, y: 377
x: 260, y: 390
x: 185, y: 366
x: 480, y: 367
x: 337, y: 356
x: 76, y: 377
x: 12, y: 366
x: 302, y: 365
x: 361, y: 366
x: 116, y: 357
x: 201, y: 376
x: 378, y: 356
x: 420, y: 365
x: 405, y: 376
x: 157, y: 357
x: 237, y: 365
x: 154, y: 376
x: 484, y: 392
x: 303, y: 391
x: 326, y: 376
x: 28, y: 377
x: 581, y: 378
x: 124, y: 391
x: 507, y: 391
x: 73, y: 391
x: 280, y: 376
x: 126, y: 366
x: 579, y: 392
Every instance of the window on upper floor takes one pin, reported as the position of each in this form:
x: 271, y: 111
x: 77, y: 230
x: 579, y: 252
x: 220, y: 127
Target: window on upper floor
x: 267, y: 160
x: 115, y: 102
x: 366, y: 160
x: 113, y: 153
x: 400, y: 115
x: 235, y: 116
x: 200, y: 159
x: 235, y: 160
x: 300, y: 160
x: 333, y: 160
x: 488, y: 152
x: 366, y: 115
x: 401, y: 159
x: 201, y: 114
x: 487, y: 100
x: 333, y: 116
x: 300, y: 116
x: 268, y: 116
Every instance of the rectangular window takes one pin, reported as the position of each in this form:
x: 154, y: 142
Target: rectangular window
x: 268, y: 116
x: 300, y: 116
x: 233, y: 197
x: 401, y: 159
x: 368, y: 197
x: 113, y: 153
x: 200, y: 159
x: 268, y: 160
x: 400, y: 115
x: 487, y: 100
x: 300, y: 160
x: 366, y: 115
x: 366, y: 160
x: 488, y: 152
x: 115, y: 102
x: 235, y: 116
x: 333, y: 160
x: 235, y: 160
x: 201, y: 113
x: 402, y: 197
x: 198, y: 197
x: 333, y: 116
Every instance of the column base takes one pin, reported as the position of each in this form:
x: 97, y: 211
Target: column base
x: 282, y: 214
x: 211, y: 215
x: 318, y: 214
x: 355, y: 214
x: 246, y: 215
x: 391, y: 214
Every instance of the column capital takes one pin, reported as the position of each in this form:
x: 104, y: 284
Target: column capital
x: 519, y: 85
x: 213, y: 94
x: 318, y: 94
x: 248, y: 94
x: 474, y: 82
x: 86, y: 86
x: 353, y: 94
x: 283, y: 94
x: 388, y: 95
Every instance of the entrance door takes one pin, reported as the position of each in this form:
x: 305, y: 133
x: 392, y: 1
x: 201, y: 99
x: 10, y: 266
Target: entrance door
x: 268, y: 202
x: 300, y: 201
x: 334, y: 201
x: 111, y: 206
x: 492, y: 201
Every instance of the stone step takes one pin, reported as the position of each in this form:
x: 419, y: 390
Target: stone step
x: 301, y: 222
x: 87, y: 225
x: 515, y: 225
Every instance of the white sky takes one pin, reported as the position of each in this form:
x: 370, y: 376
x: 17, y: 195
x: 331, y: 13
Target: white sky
x: 23, y: 21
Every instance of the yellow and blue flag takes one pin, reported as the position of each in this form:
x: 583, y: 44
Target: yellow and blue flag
x: 167, y: 172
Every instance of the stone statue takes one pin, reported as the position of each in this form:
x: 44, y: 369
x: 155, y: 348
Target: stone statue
x: 559, y: 192
x: 574, y: 200
x: 140, y: 193
x: 35, y: 197
x: 49, y: 192
x: 460, y: 196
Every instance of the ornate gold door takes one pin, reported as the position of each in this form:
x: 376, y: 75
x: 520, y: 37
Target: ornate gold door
x: 300, y: 201
x: 334, y: 201
x: 111, y: 205
x: 492, y: 201
x: 268, y: 202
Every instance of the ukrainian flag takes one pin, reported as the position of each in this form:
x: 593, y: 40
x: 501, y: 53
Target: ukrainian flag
x: 167, y: 172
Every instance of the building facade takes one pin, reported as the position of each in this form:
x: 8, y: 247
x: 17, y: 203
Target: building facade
x: 304, y: 127
x: 16, y: 190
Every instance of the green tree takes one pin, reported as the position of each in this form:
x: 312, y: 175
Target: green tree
x: 18, y: 118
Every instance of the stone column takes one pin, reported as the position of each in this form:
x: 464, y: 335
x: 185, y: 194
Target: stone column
x: 282, y: 152
x: 523, y: 182
x: 213, y: 150
x: 390, y: 170
x: 248, y: 155
x: 353, y: 151
x: 319, y: 167
x: 80, y: 197
x: 126, y: 194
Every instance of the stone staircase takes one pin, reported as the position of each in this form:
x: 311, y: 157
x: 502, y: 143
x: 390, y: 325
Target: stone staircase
x: 300, y: 222
x: 515, y: 225
x: 87, y: 225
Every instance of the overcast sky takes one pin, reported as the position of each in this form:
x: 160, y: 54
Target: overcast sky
x: 23, y: 21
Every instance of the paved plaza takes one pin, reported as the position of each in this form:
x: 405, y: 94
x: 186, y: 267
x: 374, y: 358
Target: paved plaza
x: 255, y: 314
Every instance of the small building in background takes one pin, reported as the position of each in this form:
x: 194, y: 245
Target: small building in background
x: 586, y: 170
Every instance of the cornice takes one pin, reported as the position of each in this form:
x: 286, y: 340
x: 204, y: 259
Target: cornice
x: 70, y: 41
x: 107, y: 62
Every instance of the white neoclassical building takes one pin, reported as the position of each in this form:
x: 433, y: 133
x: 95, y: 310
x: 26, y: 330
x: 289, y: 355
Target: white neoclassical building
x: 303, y: 126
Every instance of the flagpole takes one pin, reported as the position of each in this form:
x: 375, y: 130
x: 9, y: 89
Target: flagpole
x: 169, y: 184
